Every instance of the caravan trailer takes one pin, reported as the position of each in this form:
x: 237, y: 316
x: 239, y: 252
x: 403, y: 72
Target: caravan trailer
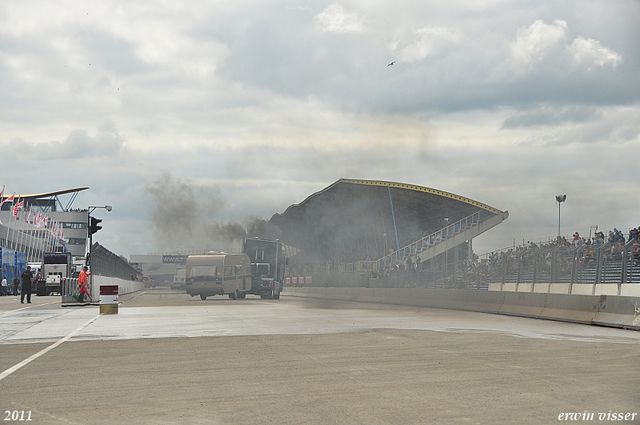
x: 218, y: 274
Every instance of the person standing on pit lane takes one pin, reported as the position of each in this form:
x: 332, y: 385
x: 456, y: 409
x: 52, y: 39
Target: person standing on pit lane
x: 4, y: 286
x: 27, y: 278
x: 82, y: 283
x: 16, y: 283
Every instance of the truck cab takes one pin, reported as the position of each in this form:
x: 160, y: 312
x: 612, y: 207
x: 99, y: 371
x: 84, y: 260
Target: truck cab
x: 55, y: 268
x: 268, y: 263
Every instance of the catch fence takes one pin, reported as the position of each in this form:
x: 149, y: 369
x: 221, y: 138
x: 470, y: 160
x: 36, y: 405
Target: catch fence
x: 105, y: 263
x: 611, y: 263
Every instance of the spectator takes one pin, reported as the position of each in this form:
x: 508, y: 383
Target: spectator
x: 16, y: 284
x: 27, y: 278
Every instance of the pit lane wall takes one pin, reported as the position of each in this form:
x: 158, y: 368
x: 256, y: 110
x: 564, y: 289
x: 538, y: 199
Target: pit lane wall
x: 124, y: 286
x: 605, y: 310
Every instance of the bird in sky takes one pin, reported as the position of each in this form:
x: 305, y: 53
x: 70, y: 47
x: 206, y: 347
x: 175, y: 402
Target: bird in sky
x: 391, y: 63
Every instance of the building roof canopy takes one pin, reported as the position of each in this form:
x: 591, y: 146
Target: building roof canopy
x: 363, y: 217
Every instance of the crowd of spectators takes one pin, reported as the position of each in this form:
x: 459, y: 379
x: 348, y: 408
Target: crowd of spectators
x: 611, y: 246
x: 557, y: 254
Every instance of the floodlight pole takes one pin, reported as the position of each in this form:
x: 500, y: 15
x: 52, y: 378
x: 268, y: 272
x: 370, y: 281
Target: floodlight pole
x: 560, y: 199
x: 559, y: 219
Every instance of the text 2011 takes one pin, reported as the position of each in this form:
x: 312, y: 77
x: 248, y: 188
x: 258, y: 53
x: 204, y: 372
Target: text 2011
x: 17, y: 415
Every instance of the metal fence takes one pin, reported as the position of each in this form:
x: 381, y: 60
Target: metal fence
x: 611, y: 263
x: 105, y: 263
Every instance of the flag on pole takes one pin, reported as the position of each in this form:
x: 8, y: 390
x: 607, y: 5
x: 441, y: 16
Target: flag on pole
x: 16, y: 206
x: 9, y: 199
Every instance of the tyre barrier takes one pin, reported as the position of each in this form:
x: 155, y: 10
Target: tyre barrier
x: 603, y: 310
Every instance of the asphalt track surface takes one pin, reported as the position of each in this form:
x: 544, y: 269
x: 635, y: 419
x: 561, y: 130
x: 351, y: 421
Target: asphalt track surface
x: 167, y: 358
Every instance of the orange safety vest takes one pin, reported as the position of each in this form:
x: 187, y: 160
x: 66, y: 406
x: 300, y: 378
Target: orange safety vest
x: 82, y: 278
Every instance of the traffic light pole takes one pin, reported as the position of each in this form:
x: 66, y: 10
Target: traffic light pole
x: 90, y: 238
x: 92, y: 227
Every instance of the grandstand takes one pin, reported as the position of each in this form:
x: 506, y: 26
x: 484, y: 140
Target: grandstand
x: 600, y: 268
x: 42, y: 222
x: 373, y: 224
x: 385, y: 234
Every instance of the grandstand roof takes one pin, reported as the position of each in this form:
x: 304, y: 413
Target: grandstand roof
x: 47, y: 194
x: 361, y: 218
x: 46, y: 199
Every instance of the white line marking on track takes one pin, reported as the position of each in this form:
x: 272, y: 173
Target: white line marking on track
x: 4, y: 313
x: 46, y: 350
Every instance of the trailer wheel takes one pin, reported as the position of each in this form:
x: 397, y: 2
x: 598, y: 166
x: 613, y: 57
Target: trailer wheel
x: 203, y: 297
x: 233, y: 295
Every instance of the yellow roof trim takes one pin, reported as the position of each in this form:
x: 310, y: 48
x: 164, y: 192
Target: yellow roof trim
x: 423, y: 189
x: 43, y: 195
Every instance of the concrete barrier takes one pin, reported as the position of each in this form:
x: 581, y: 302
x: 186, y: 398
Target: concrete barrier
x: 606, y: 310
x: 630, y: 290
x: 559, y: 288
x: 124, y: 286
x: 582, y: 289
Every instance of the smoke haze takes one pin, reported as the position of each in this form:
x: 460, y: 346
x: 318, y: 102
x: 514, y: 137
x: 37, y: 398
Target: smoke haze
x: 183, y: 218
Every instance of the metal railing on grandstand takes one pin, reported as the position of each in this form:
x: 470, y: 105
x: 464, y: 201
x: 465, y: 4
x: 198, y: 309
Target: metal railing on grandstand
x: 553, y: 263
x: 105, y: 263
x: 426, y: 242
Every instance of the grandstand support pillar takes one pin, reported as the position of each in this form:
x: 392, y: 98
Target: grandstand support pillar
x: 554, y: 268
x: 536, y: 256
x: 446, y: 267
x: 599, y: 268
x: 519, y: 259
x: 574, y: 270
x: 393, y: 215
x: 455, y: 267
x: 504, y: 273
x: 625, y: 264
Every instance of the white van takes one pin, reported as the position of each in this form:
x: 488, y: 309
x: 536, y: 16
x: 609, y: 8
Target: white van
x: 218, y: 274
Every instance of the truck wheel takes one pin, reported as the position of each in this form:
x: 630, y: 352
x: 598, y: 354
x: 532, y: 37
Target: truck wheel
x: 203, y: 297
x: 233, y: 295
x: 276, y: 296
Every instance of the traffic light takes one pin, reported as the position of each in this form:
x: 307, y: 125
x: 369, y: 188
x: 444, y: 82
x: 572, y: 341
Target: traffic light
x: 93, y: 227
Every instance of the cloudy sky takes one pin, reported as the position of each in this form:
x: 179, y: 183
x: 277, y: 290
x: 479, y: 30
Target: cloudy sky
x: 229, y: 111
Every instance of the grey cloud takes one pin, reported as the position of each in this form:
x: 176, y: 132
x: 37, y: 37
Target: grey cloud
x: 260, y: 104
x: 451, y: 66
x: 109, y: 52
x: 551, y: 115
x: 79, y: 144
